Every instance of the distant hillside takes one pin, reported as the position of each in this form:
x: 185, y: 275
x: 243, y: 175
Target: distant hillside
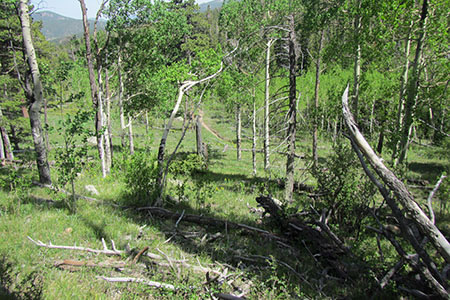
x: 56, y: 27
x: 212, y: 4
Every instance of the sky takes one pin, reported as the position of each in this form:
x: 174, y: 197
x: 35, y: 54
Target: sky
x: 71, y: 8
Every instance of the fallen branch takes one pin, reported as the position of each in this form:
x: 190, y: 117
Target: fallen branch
x: 78, y: 263
x: 156, y: 259
x: 77, y: 248
x: 139, y: 280
x: 227, y: 296
x: 402, y: 194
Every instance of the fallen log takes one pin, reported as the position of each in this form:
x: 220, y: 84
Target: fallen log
x: 209, y: 221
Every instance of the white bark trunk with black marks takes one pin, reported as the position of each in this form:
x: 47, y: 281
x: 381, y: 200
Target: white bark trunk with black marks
x: 401, y: 100
x: 413, y: 86
x: 267, y: 108
x: 292, y: 115
x: 34, y: 95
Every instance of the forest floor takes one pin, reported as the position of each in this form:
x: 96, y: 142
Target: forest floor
x: 188, y: 260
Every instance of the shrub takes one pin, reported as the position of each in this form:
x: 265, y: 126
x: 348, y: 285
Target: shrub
x: 140, y: 174
x: 345, y: 190
x: 187, y: 164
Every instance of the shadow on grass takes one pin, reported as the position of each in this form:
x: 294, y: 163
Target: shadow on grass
x: 428, y: 171
x: 30, y: 285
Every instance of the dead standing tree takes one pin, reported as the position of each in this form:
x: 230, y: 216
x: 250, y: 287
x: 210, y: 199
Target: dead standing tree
x: 422, y: 262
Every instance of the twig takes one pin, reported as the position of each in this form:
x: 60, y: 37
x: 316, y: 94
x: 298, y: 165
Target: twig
x: 179, y: 219
x: 167, y: 258
x: 136, y: 258
x: 139, y: 280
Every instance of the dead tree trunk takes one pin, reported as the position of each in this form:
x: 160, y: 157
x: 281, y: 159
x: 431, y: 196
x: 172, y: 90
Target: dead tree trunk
x: 292, y: 115
x: 399, y: 189
x: 186, y: 86
x: 34, y: 95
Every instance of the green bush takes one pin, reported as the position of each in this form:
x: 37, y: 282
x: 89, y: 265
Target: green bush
x: 345, y: 190
x: 187, y: 164
x: 140, y: 174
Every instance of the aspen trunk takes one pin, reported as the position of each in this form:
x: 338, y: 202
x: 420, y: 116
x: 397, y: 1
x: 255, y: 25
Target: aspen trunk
x: 94, y: 89
x: 5, y: 144
x: 2, y: 151
x: 238, y: 132
x: 121, y: 93
x: 146, y: 123
x: 130, y: 135
x: 108, y: 136
x: 413, y: 86
x: 401, y: 100
x: 316, y: 102
x: 292, y: 116
x: 357, y: 64
x: 34, y: 95
x: 101, y: 141
x: 47, y: 142
x: 198, y: 136
x: 254, y: 134
x: 266, y: 108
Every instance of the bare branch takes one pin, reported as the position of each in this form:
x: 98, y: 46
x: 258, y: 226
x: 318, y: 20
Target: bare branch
x: 430, y: 197
x: 139, y: 280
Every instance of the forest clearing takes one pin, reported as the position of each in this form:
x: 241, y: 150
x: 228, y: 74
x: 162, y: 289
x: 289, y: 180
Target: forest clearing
x: 263, y: 149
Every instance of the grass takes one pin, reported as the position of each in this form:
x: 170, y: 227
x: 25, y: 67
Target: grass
x: 224, y: 190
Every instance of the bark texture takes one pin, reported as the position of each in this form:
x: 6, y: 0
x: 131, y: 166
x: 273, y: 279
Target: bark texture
x: 413, y: 86
x: 316, y: 101
x: 267, y: 108
x: 292, y: 115
x: 34, y: 95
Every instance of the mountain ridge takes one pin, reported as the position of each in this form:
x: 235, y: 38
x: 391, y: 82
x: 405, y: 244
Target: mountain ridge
x: 57, y: 28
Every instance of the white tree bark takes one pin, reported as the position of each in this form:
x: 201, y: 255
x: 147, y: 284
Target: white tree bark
x: 399, y: 189
x: 238, y: 132
x: 34, y: 95
x: 267, y: 108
